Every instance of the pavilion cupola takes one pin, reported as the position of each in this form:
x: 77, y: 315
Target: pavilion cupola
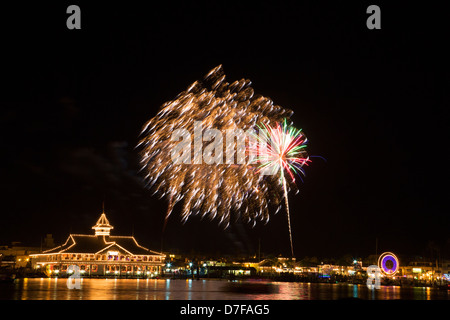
x: 102, y: 227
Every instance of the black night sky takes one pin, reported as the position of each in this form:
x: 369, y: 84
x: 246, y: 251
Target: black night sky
x: 372, y: 102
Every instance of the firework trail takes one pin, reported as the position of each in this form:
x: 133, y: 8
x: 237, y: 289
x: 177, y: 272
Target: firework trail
x: 213, y: 191
x: 281, y: 149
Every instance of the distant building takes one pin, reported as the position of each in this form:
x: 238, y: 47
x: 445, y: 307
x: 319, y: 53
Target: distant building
x: 427, y: 270
x: 100, y: 255
x: 48, y: 241
x: 16, y: 255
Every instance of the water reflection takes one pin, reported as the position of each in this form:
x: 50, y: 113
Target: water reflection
x: 355, y: 291
x: 153, y: 289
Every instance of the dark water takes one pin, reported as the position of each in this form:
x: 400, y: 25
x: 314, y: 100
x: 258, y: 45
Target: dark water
x: 152, y: 289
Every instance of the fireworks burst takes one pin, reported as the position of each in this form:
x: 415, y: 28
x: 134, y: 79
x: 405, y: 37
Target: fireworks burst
x: 216, y: 191
x: 281, y: 149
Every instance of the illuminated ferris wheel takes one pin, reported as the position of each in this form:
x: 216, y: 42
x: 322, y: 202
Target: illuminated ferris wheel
x: 388, y: 263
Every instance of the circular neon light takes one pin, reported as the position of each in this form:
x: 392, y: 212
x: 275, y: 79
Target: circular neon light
x: 388, y: 263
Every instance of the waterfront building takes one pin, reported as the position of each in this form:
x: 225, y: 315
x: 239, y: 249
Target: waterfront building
x: 420, y: 269
x: 16, y: 255
x: 100, y: 254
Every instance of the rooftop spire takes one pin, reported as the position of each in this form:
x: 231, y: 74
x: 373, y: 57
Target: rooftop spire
x: 102, y: 227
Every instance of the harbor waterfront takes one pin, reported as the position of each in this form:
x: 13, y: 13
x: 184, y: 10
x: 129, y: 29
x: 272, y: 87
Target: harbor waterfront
x: 102, y: 255
x: 102, y: 266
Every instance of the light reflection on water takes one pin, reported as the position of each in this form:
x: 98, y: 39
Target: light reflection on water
x: 153, y: 289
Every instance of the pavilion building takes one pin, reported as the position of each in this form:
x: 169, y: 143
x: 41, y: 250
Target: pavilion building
x: 100, y: 255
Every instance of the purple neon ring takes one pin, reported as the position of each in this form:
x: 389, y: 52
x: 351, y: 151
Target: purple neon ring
x: 394, y: 264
